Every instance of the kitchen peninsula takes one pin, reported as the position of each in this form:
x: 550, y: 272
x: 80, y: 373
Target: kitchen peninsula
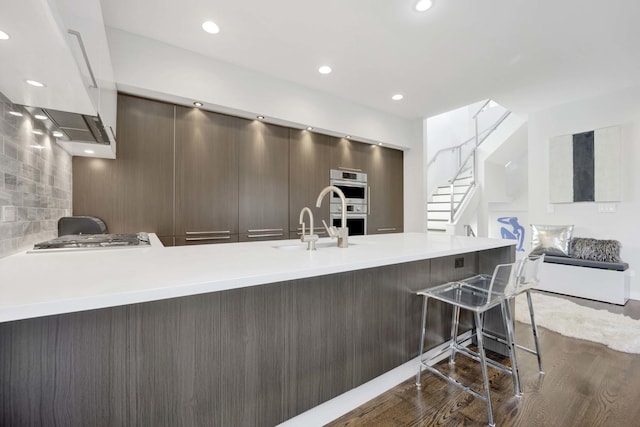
x: 236, y: 334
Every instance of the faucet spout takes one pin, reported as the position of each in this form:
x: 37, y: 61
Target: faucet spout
x: 343, y: 232
x: 310, y: 238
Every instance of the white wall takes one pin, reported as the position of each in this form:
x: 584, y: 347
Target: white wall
x: 156, y: 70
x: 150, y: 68
x: 616, y: 108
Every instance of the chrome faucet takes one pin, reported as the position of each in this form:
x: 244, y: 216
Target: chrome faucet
x: 342, y: 233
x: 309, y: 238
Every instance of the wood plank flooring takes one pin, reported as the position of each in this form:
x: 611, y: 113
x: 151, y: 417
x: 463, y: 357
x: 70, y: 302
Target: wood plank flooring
x: 585, y: 384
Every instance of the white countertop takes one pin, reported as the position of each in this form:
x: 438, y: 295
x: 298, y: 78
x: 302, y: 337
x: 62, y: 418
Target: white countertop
x: 41, y: 284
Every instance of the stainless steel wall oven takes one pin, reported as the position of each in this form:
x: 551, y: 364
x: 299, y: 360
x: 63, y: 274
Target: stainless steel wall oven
x: 354, y: 186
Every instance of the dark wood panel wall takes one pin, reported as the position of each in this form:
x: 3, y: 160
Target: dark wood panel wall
x: 193, y: 176
x: 247, y: 357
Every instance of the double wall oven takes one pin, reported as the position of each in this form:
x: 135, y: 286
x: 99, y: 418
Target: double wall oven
x: 354, y: 186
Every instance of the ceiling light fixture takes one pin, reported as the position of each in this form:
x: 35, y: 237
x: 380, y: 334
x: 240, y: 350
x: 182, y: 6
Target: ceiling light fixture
x: 210, y: 27
x: 260, y: 117
x: 424, y: 5
x: 37, y: 132
x: 348, y: 136
x: 198, y: 104
x: 325, y: 69
x: 380, y: 144
x: 41, y: 117
x: 309, y: 128
x: 4, y: 36
x: 89, y: 151
x: 58, y: 134
x: 34, y: 83
x: 397, y: 97
x: 15, y: 113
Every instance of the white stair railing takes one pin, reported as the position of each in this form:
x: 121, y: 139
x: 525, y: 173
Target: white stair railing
x: 470, y: 160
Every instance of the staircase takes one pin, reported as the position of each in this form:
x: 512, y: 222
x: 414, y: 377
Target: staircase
x: 447, y: 200
x: 441, y: 206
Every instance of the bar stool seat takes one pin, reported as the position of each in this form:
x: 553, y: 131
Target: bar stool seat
x: 477, y: 294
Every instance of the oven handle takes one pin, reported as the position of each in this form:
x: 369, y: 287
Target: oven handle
x: 348, y: 183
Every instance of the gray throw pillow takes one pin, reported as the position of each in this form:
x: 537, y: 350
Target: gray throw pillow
x: 595, y: 250
x: 551, y: 239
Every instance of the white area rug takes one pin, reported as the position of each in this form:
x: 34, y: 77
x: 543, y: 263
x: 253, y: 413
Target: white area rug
x: 616, y: 331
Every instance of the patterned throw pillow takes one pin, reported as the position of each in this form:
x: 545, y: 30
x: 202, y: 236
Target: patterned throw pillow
x: 595, y: 250
x: 551, y: 239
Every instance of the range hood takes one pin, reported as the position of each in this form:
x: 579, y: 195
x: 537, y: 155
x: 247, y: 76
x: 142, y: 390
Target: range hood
x: 76, y: 127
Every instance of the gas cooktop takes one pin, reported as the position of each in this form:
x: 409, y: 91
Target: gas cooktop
x: 94, y: 241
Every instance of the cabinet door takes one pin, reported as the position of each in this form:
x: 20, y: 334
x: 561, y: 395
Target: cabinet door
x: 134, y: 192
x: 263, y: 181
x: 350, y: 155
x: 206, y: 174
x: 311, y: 160
x: 385, y: 190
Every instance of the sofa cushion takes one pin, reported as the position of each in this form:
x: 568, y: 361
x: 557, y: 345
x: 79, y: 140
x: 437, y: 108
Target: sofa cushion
x: 595, y: 250
x: 618, y: 266
x: 551, y: 239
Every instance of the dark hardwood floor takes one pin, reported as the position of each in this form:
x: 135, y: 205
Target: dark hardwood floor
x: 585, y: 384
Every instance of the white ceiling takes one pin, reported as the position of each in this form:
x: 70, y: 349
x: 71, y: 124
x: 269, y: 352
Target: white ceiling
x: 526, y: 54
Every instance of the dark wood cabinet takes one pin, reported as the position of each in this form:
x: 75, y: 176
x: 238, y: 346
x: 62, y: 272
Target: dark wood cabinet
x: 134, y: 192
x: 312, y: 157
x: 263, y: 181
x: 206, y: 176
x: 385, y: 178
x: 193, y: 176
x: 310, y: 161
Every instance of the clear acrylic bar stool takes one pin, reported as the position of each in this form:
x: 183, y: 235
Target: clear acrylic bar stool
x: 477, y: 294
x: 526, y: 278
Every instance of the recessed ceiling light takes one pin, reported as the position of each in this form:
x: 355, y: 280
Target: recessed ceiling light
x: 198, y: 104
x: 348, y: 136
x: 89, y: 151
x: 4, y: 36
x: 380, y: 143
x: 58, y: 134
x: 309, y: 128
x: 37, y: 132
x: 424, y: 5
x: 325, y: 69
x: 397, y: 97
x: 260, y: 117
x: 210, y: 27
x: 34, y: 83
x: 15, y: 113
x: 40, y: 117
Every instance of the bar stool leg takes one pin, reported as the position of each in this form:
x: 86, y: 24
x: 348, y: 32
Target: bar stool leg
x: 483, y: 365
x: 423, y: 327
x: 511, y: 342
x: 534, y: 329
x: 455, y: 321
